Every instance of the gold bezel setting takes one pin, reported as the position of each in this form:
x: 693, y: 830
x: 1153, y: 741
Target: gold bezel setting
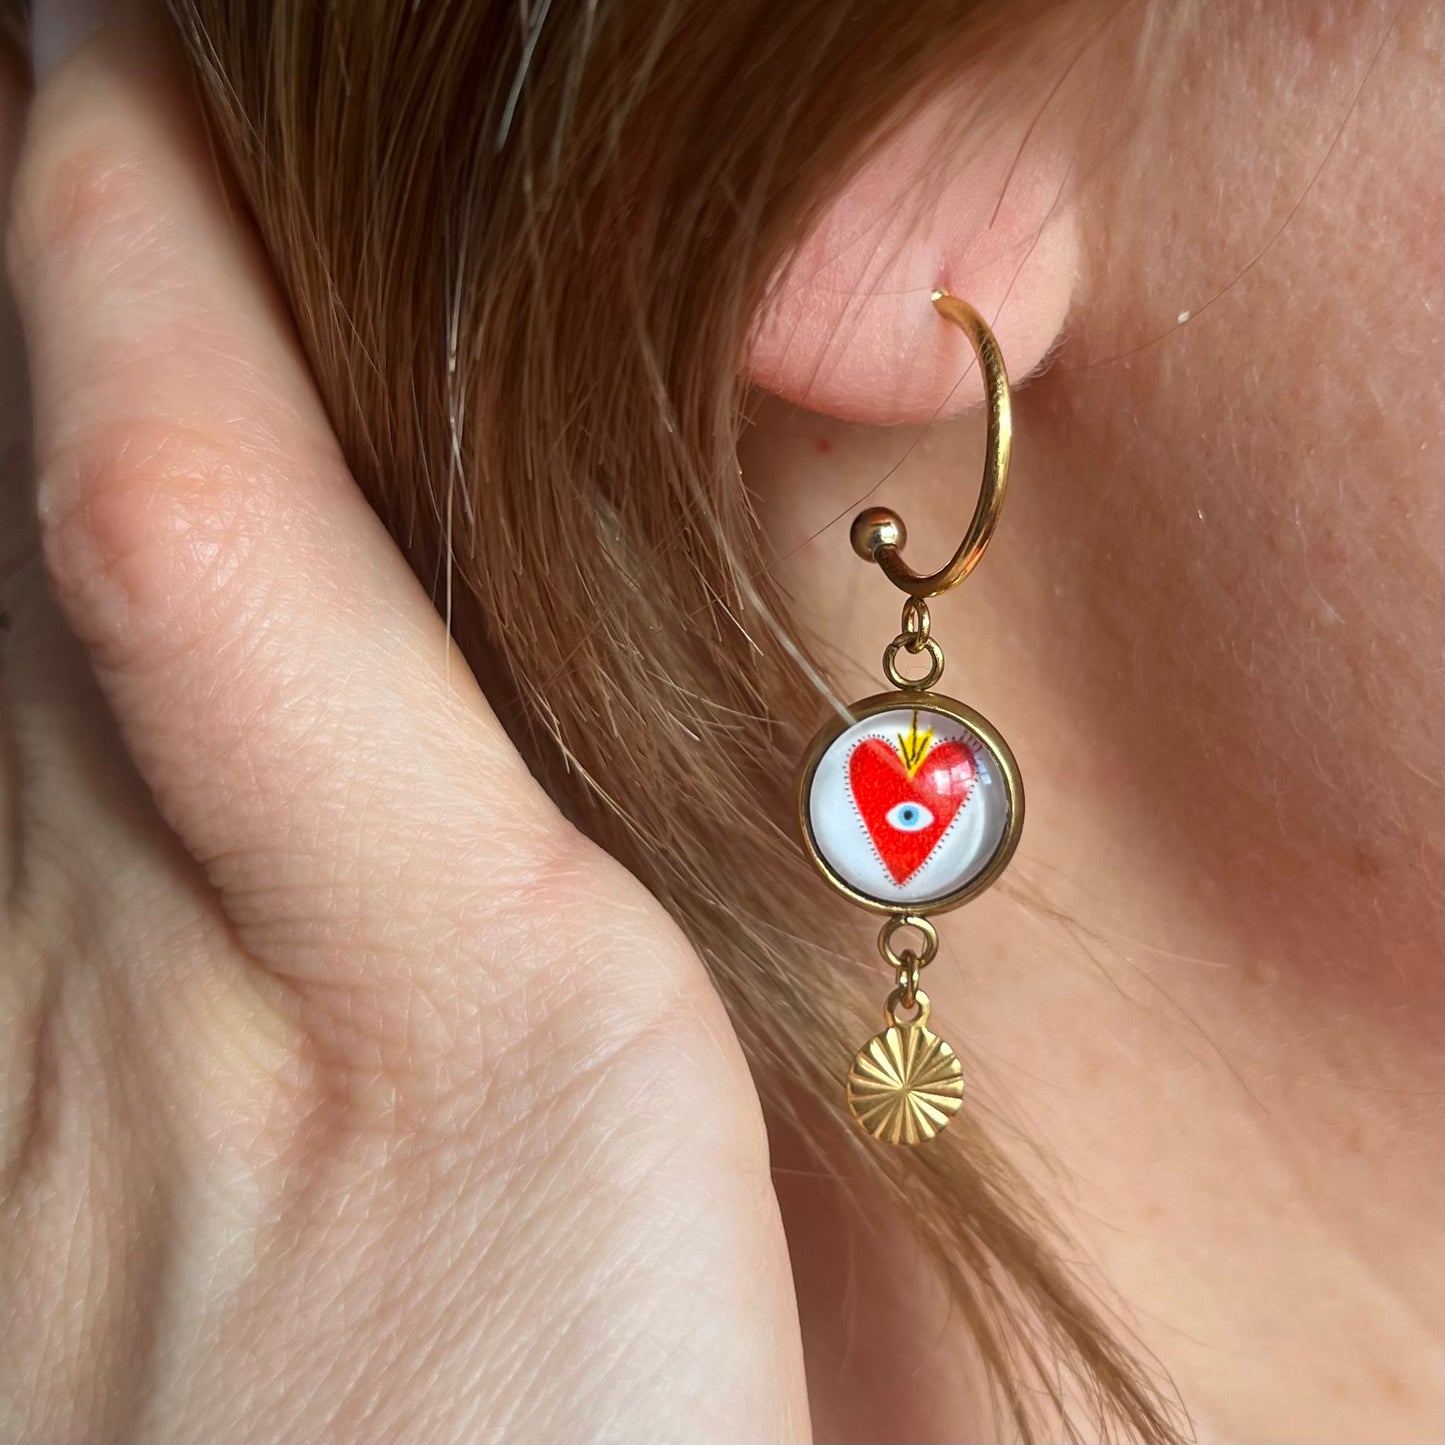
x: 998, y: 750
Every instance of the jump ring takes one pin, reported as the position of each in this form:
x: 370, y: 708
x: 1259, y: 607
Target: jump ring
x: 907, y: 980
x: 896, y: 1001
x: 916, y: 624
x: 899, y: 959
x: 913, y: 684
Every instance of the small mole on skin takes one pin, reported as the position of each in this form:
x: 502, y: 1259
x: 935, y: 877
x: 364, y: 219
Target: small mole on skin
x: 824, y: 446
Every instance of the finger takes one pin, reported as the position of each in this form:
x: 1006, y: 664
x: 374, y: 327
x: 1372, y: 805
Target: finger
x: 284, y: 685
x: 18, y: 543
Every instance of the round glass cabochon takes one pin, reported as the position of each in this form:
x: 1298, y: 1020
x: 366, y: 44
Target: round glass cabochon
x: 908, y: 806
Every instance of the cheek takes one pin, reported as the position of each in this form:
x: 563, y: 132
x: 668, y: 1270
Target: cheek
x: 1245, y: 517
x: 1229, y: 480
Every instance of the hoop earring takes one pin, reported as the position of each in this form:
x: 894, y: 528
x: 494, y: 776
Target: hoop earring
x: 912, y: 803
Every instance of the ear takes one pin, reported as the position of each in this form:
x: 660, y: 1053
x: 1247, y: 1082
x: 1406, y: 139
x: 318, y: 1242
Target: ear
x: 850, y: 330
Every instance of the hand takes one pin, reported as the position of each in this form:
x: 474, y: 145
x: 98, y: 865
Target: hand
x: 348, y: 1092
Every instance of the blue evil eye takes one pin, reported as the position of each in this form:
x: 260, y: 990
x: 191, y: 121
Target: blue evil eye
x: 908, y: 817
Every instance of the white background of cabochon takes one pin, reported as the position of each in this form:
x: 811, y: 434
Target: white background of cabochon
x: 841, y: 836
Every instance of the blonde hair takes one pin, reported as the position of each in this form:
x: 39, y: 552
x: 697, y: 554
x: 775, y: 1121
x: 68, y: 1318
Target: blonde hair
x: 524, y: 246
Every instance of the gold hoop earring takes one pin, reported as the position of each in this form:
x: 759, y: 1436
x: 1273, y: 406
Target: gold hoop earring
x: 912, y: 803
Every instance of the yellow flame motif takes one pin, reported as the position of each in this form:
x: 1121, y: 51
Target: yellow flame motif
x: 913, y: 746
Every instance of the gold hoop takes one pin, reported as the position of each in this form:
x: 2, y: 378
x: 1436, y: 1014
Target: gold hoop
x: 878, y: 534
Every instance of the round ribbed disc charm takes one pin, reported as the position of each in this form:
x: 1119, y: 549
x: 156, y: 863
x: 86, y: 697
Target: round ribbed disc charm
x: 905, y: 1084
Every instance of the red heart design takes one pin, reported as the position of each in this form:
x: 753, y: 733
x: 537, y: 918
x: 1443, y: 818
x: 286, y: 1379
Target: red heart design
x: 889, y: 800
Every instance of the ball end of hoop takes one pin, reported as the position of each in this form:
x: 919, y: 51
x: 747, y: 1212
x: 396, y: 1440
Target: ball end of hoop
x: 875, y: 529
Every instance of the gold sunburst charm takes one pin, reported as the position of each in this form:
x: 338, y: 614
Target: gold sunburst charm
x: 905, y: 1084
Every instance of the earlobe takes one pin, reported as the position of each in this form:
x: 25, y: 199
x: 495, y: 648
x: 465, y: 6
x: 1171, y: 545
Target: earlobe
x: 850, y: 330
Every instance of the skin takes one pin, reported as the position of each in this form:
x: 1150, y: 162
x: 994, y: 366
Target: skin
x: 1210, y: 627
x: 332, y: 1054
x: 289, y: 1027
